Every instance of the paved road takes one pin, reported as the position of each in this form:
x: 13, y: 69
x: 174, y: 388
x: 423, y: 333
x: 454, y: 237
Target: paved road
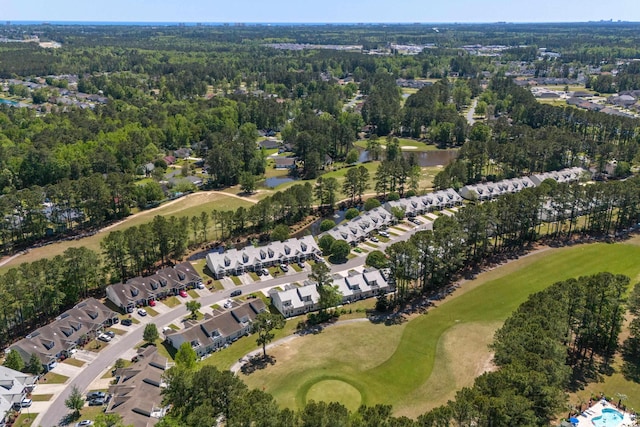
x: 58, y: 411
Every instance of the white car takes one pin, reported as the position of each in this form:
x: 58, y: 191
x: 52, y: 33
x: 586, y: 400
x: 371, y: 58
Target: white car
x: 200, y: 285
x: 104, y: 337
x: 142, y: 312
x: 84, y: 423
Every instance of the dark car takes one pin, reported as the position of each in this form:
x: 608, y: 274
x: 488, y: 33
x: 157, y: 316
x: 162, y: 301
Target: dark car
x: 96, y: 402
x: 259, y: 272
x: 96, y: 395
x: 110, y: 334
x: 126, y: 322
x: 236, y: 293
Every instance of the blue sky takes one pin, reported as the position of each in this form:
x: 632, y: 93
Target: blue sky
x: 320, y: 10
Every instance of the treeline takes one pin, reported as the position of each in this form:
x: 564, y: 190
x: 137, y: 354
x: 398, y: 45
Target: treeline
x: 430, y: 260
x: 557, y: 337
x: 530, y: 137
x: 138, y: 250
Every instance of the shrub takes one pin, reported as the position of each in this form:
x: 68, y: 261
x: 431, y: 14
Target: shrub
x: 393, y: 196
x: 351, y: 213
x: 327, y: 224
x: 371, y: 203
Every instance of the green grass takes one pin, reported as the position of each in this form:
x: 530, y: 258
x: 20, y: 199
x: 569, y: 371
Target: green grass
x: 90, y: 412
x: 254, y: 276
x: 295, y: 267
x: 423, y: 355
x: 193, y: 293
x: 172, y: 302
x: 150, y: 311
x: 41, y: 397
x: 53, y: 378
x: 406, y: 144
x: 25, y: 419
x: 236, y: 280
x: 74, y: 362
x: 117, y: 331
x: 174, y: 327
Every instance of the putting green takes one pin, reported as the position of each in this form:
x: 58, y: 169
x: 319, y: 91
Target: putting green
x: 332, y: 390
x: 403, y: 365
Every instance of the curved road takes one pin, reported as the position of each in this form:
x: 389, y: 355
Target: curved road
x: 57, y: 410
x: 471, y: 112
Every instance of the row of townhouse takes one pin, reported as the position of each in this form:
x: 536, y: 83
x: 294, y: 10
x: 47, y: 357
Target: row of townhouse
x: 235, y: 262
x: 491, y: 190
x: 360, y: 227
x: 14, y: 387
x: 217, y: 330
x: 72, y: 328
x: 418, y: 205
x: 139, y: 291
x: 136, y: 393
x: 294, y: 300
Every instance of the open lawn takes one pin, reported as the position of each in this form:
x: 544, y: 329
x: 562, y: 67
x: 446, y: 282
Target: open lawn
x: 431, y: 356
x: 53, y: 378
x: 41, y: 397
x: 25, y: 419
x: 172, y: 302
x: 193, y: 204
x: 74, y: 362
x: 406, y: 144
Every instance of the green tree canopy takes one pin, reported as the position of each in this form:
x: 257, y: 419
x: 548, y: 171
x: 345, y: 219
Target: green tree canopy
x: 150, y: 334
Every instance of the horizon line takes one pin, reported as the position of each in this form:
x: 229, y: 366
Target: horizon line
x: 8, y: 22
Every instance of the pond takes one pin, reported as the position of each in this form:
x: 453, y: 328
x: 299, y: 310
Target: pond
x: 337, y: 217
x: 277, y: 180
x: 423, y: 158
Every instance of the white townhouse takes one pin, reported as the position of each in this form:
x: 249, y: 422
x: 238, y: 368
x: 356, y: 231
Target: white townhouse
x: 250, y: 258
x: 295, y: 300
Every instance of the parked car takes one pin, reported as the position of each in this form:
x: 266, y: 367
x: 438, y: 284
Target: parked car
x: 96, y: 402
x: 300, y: 264
x: 383, y: 233
x: 284, y: 268
x: 183, y: 294
x: 152, y: 303
x: 200, y: 285
x: 236, y: 293
x: 26, y: 402
x: 110, y: 333
x: 84, y: 423
x: 104, y: 337
x: 96, y: 395
x: 259, y: 272
x: 265, y: 272
x: 142, y: 312
x: 374, y: 239
x: 126, y: 322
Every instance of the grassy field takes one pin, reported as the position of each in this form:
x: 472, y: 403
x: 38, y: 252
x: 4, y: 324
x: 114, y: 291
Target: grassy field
x: 25, y: 419
x: 191, y: 205
x: 432, y: 356
x: 53, y: 378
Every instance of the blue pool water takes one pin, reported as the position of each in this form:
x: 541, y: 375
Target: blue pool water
x: 7, y: 101
x: 609, y: 418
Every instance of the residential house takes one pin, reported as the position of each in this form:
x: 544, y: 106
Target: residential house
x: 182, y: 153
x: 14, y: 386
x: 250, y: 258
x: 285, y: 162
x: 564, y: 175
x: 491, y: 190
x: 269, y: 144
x: 139, y: 291
x: 295, y: 300
x: 72, y: 328
x: 218, y: 330
x: 361, y: 227
x: 136, y: 394
x: 195, y: 180
x: 419, y: 205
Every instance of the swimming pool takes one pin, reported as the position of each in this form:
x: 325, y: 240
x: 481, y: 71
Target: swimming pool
x: 609, y: 418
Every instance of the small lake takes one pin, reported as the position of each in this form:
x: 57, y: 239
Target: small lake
x: 423, y: 158
x: 273, y: 182
x: 337, y: 217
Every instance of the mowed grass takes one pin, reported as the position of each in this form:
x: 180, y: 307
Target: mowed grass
x: 191, y: 205
x: 420, y: 364
x: 406, y: 144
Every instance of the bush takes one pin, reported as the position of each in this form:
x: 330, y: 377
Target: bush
x: 393, y: 196
x: 410, y: 193
x: 280, y: 233
x: 352, y: 213
x: 352, y: 157
x: 327, y: 224
x: 371, y: 203
x: 325, y: 244
x: 339, y: 250
x: 377, y: 259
